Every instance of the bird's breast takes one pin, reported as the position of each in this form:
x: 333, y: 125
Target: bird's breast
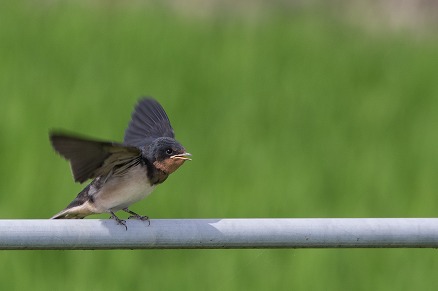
x: 121, y: 191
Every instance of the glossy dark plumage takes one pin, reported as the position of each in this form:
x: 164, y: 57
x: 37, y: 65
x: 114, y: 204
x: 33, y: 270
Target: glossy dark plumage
x: 149, y: 121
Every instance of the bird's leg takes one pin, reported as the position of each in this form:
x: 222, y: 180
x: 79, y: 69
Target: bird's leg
x: 119, y: 221
x: 137, y: 216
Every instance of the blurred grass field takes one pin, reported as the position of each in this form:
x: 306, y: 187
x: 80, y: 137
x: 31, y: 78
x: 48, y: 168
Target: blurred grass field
x: 291, y: 114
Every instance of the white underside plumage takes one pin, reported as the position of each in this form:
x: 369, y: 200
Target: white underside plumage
x: 121, y: 191
x: 117, y: 193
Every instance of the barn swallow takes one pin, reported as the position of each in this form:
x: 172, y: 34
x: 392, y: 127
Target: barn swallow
x: 122, y: 173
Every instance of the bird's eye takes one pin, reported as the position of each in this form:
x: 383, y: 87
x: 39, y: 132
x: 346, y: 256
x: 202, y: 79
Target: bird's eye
x: 169, y: 151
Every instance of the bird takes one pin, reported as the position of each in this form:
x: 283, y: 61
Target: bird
x: 121, y: 173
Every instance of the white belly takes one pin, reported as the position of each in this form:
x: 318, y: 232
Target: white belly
x: 120, y: 192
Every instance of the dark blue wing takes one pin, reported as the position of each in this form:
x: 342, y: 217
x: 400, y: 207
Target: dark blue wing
x: 148, y: 122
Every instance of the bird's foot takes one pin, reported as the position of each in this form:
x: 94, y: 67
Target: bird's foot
x: 137, y: 216
x: 118, y: 220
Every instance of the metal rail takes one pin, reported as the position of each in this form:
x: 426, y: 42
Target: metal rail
x: 219, y: 233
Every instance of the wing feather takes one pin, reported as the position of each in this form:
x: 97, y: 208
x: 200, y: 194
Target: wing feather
x: 90, y: 159
x: 148, y: 122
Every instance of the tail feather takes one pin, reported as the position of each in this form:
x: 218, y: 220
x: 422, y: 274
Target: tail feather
x: 59, y: 215
x: 76, y: 212
x: 78, y: 208
x: 67, y: 214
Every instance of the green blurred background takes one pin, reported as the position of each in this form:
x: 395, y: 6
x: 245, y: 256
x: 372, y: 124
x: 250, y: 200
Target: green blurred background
x: 289, y: 109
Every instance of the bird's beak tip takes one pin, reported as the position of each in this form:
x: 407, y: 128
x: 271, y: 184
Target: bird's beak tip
x: 183, y: 156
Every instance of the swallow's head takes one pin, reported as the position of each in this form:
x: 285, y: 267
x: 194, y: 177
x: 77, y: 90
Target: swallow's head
x: 166, y: 154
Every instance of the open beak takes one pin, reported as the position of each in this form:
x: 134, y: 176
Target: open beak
x: 183, y: 156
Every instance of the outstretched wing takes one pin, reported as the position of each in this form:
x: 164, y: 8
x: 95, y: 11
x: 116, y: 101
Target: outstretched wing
x: 149, y: 121
x: 90, y: 159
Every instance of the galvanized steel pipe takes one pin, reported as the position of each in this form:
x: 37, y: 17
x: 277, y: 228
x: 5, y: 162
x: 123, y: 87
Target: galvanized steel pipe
x: 219, y: 233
